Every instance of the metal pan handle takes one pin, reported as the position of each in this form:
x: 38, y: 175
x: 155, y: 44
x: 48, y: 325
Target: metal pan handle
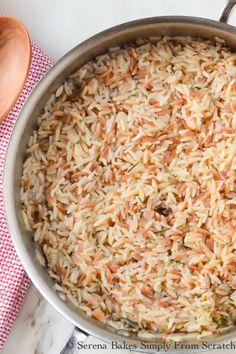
x: 227, y: 11
x: 71, y: 346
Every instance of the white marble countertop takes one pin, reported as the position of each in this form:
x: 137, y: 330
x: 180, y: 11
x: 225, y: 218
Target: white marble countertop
x: 57, y: 26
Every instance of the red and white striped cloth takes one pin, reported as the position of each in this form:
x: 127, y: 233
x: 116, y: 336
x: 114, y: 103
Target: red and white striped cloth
x: 13, y: 279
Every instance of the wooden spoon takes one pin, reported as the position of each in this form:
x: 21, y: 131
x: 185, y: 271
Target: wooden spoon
x: 15, y: 59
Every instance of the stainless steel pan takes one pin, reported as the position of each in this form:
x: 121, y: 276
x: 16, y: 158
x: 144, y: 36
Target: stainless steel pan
x: 156, y: 26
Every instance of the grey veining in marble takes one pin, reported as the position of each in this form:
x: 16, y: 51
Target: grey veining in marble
x: 39, y: 329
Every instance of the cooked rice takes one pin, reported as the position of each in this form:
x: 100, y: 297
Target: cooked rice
x: 129, y: 187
